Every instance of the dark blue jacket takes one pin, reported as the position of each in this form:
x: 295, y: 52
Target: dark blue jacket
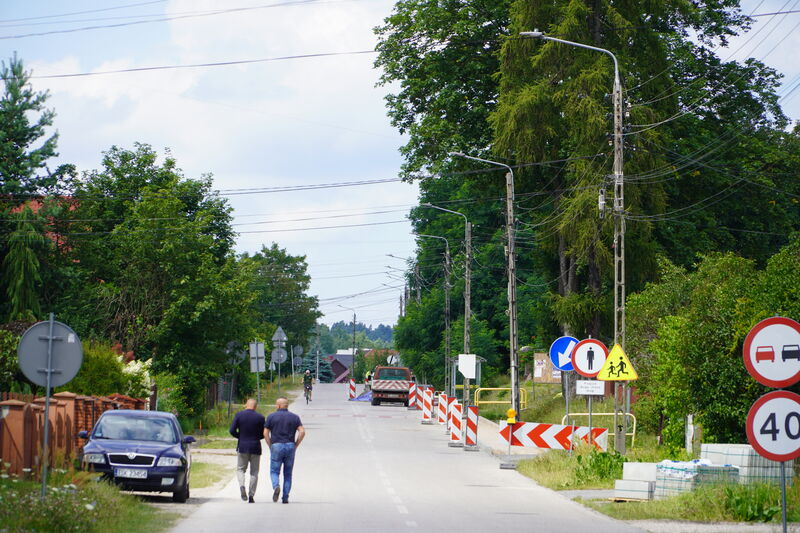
x: 248, y: 427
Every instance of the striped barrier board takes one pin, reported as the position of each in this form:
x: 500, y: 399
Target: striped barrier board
x: 553, y: 436
x: 455, y: 426
x: 442, y: 409
x: 471, y: 430
x: 427, y: 406
x: 352, y: 389
x: 450, y: 401
x: 412, y: 396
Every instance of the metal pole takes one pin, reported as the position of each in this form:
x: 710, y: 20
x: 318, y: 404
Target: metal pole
x: 447, y: 305
x: 783, y: 495
x: 258, y: 384
x: 590, y: 420
x: 353, y: 364
x: 49, y: 370
x: 512, y: 276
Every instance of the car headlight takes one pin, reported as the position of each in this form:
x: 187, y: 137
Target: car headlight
x: 170, y: 461
x: 94, y: 458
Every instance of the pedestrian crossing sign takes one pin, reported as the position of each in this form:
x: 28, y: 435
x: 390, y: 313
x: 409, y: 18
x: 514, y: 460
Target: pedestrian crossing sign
x: 617, y: 367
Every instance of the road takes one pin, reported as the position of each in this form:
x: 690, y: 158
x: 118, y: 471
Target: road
x: 365, y: 468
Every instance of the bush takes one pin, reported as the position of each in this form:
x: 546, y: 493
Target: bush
x: 103, y: 372
x: 753, y: 503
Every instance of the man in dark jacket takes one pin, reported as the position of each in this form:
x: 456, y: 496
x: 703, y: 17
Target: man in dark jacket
x: 248, y: 427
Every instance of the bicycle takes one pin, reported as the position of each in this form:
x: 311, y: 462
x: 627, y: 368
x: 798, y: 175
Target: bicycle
x: 307, y: 394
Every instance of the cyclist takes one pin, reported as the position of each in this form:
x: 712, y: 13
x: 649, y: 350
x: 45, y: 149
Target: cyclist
x: 308, y: 382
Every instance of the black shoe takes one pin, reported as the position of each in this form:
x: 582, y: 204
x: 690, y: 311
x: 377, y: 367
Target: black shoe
x: 285, y: 501
x: 244, y: 493
x: 251, y: 500
x: 276, y: 493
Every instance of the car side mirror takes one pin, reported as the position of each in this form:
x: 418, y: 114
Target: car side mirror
x: 188, y: 439
x: 83, y: 434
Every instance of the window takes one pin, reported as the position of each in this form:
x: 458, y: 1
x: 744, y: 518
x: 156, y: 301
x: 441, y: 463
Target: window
x: 120, y: 427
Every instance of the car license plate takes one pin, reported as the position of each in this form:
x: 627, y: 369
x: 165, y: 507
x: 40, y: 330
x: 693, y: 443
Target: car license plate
x: 133, y: 473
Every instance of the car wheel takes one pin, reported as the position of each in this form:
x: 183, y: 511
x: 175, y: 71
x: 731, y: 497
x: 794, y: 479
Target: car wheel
x: 182, y: 495
x: 376, y: 402
x: 405, y: 403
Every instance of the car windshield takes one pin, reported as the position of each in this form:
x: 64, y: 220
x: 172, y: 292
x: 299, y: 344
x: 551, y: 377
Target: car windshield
x: 392, y: 373
x: 121, y: 427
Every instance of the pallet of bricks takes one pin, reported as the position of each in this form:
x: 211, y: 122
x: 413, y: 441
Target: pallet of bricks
x: 718, y: 463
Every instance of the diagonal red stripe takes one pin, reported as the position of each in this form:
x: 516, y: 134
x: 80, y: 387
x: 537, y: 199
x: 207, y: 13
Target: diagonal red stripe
x: 536, y: 435
x: 562, y: 437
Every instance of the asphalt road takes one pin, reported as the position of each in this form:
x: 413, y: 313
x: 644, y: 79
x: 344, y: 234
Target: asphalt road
x: 365, y: 468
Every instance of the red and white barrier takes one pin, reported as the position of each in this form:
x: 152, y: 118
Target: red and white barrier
x: 420, y: 395
x: 427, y: 406
x: 412, y: 396
x: 471, y: 430
x: 352, y: 389
x: 553, y: 436
x: 455, y: 426
x: 442, y: 409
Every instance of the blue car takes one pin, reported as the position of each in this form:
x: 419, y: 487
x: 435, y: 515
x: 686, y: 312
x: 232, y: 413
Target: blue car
x: 140, y: 450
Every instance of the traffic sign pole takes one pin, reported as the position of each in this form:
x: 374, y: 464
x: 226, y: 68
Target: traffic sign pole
x: 49, y: 371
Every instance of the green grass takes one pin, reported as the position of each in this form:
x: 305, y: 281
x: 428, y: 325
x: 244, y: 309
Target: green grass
x: 215, y: 422
x: 720, y: 503
x: 219, y: 444
x: 208, y: 474
x: 76, y: 502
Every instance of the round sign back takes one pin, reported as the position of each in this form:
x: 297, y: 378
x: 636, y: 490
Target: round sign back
x: 588, y: 357
x: 772, y: 352
x: 67, y: 355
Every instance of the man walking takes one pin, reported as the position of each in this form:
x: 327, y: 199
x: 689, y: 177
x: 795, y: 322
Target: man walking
x: 247, y: 427
x: 283, y: 433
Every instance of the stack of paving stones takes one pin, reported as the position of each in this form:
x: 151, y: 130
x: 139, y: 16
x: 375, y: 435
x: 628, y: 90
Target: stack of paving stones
x: 638, y: 482
x: 752, y: 467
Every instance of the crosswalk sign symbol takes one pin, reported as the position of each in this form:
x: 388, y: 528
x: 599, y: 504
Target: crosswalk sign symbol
x: 617, y: 367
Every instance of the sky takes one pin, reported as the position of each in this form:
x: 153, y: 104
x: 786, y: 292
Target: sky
x: 282, y: 123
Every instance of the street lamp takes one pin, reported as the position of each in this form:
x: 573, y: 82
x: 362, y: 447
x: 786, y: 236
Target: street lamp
x: 448, y: 380
x: 467, y: 285
x: 619, y: 217
x: 352, y: 364
x: 512, y: 276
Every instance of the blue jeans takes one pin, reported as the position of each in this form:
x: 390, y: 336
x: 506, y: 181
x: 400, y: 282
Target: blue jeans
x: 282, y: 453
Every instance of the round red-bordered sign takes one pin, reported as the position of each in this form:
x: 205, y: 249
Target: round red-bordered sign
x: 773, y: 426
x: 771, y: 352
x: 584, y: 364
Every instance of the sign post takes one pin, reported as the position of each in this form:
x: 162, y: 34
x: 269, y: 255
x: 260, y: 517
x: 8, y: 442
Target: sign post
x: 257, y: 364
x: 771, y: 354
x: 53, y: 349
x: 618, y: 368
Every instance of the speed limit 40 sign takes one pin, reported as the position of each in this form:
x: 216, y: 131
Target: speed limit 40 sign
x: 773, y: 426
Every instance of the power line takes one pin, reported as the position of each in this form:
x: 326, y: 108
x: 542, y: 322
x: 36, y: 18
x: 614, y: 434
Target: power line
x: 166, y: 18
x: 138, y: 4
x: 202, y: 65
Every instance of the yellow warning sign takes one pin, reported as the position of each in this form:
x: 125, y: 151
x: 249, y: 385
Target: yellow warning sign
x: 617, y: 367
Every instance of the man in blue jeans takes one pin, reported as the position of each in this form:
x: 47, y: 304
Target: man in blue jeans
x: 283, y: 433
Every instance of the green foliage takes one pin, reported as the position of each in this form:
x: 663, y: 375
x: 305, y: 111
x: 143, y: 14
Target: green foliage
x: 21, y: 266
x: 103, y: 372
x: 599, y: 466
x: 9, y: 367
x: 753, y: 503
x: 325, y: 371
x: 687, y: 333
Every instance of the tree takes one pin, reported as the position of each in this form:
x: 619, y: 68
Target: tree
x: 325, y: 371
x: 158, y: 272
x: 279, y: 283
x: 21, y: 266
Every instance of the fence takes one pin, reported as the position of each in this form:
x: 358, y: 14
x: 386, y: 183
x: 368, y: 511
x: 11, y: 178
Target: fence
x: 523, y: 397
x: 630, y: 416
x: 22, y: 425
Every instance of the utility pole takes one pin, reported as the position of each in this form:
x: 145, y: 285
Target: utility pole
x: 416, y: 275
x: 317, y: 376
x: 450, y: 386
x: 467, y: 286
x: 620, y: 389
x: 353, y: 364
x: 511, y: 257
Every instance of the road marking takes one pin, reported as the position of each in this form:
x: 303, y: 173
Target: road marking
x: 402, y: 509
x: 411, y: 523
x: 390, y: 490
x: 397, y: 500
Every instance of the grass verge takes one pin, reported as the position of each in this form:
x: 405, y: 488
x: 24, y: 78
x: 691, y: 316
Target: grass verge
x: 716, y: 503
x: 76, y: 502
x: 219, y: 444
x: 208, y: 474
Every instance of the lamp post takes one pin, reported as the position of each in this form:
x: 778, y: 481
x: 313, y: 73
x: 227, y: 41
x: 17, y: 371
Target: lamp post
x: 467, y: 286
x: 353, y: 364
x: 512, y: 276
x: 448, y: 380
x: 619, y: 224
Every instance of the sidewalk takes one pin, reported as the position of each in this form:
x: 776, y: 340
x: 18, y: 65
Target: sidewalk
x: 489, y: 440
